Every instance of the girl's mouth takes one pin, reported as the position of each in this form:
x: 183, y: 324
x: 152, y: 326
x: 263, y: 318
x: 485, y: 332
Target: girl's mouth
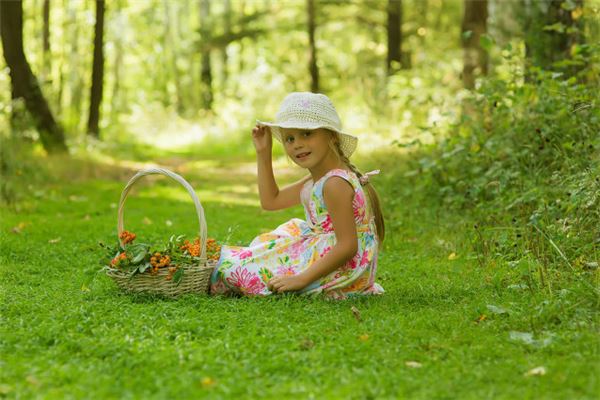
x: 302, y: 156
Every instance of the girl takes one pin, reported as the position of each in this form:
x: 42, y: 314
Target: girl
x: 334, y: 251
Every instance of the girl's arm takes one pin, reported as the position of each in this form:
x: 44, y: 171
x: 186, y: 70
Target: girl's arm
x: 338, y: 195
x: 271, y: 198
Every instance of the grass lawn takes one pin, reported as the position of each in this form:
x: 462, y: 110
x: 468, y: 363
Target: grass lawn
x: 445, y: 328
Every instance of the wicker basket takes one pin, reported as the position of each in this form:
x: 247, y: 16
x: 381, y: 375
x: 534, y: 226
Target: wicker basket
x: 196, y: 278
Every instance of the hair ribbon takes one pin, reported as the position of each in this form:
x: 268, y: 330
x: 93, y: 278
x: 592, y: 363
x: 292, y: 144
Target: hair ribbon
x: 364, y: 179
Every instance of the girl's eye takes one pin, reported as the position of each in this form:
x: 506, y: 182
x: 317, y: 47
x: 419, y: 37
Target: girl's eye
x: 307, y: 133
x: 289, y: 139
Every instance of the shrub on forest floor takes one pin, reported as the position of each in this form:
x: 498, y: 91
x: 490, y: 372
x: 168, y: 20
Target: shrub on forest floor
x: 527, y: 166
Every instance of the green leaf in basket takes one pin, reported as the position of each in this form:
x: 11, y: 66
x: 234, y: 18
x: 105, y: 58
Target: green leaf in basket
x: 142, y: 268
x: 134, y: 273
x: 178, y: 276
x: 137, y: 252
x: 139, y: 257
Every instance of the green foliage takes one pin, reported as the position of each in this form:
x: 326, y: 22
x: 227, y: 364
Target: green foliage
x: 21, y: 171
x: 525, y: 161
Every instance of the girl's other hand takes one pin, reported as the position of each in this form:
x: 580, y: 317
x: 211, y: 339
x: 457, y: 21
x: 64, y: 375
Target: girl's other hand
x: 262, y: 138
x: 286, y: 283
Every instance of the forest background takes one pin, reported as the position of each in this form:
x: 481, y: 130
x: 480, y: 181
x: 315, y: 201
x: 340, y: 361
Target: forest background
x: 483, y: 115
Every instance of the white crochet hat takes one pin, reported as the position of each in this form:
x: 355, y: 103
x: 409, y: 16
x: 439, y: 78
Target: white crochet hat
x: 305, y: 110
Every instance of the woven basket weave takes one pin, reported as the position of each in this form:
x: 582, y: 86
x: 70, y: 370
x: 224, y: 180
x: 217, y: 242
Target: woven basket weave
x: 196, y: 278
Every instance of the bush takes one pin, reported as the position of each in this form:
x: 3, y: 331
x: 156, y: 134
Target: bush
x: 20, y: 170
x: 526, y: 165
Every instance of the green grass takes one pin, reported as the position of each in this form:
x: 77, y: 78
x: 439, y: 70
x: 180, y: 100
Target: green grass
x: 67, y: 332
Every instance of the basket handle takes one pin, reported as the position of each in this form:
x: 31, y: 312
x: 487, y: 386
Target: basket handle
x: 178, y: 178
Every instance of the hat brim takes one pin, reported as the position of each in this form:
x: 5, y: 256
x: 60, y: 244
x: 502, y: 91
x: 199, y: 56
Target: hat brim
x: 348, y: 142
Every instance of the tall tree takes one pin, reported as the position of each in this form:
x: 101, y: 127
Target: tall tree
x: 23, y: 83
x: 97, y: 71
x: 394, y: 34
x: 224, y: 56
x: 474, y: 25
x: 74, y: 72
x: 422, y: 8
x: 312, y: 62
x: 115, y: 99
x: 552, y: 27
x: 46, y: 36
x: 172, y: 53
x: 242, y: 15
x: 206, y: 71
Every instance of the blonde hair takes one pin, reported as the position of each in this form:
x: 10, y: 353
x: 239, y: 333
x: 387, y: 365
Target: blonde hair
x: 374, y: 201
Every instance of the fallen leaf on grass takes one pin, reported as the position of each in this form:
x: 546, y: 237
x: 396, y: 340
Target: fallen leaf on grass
x: 5, y: 389
x: 306, y: 344
x: 517, y: 286
x: 452, y: 256
x: 85, y: 288
x: 364, y: 337
x: 497, y: 310
x: 54, y: 241
x: 591, y: 265
x: 481, y: 318
x: 168, y: 222
x: 207, y: 382
x: 413, y: 364
x: 18, y: 228
x: 77, y: 199
x: 527, y: 338
x: 32, y: 380
x: 87, y: 217
x: 537, y: 371
x: 147, y: 221
x: 356, y: 313
x: 113, y: 205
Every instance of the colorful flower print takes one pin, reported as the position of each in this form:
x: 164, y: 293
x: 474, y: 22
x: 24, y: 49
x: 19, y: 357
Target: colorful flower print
x: 245, y: 281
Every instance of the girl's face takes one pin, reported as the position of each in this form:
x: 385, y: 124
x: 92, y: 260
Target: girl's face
x: 308, y: 148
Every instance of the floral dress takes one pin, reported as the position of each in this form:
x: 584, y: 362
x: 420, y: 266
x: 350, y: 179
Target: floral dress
x: 295, y: 245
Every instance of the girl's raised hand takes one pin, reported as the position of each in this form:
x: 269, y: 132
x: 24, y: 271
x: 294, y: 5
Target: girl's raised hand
x: 262, y: 138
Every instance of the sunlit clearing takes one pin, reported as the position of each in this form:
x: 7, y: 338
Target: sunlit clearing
x: 165, y: 129
x: 224, y: 195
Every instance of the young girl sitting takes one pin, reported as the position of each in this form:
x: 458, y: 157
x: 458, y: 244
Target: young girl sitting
x: 334, y: 251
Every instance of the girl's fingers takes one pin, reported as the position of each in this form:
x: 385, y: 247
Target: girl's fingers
x: 271, y: 284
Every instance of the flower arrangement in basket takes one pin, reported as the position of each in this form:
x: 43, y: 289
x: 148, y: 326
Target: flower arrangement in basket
x: 177, y: 267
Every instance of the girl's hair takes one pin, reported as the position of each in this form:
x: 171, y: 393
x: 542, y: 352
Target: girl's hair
x: 372, y: 193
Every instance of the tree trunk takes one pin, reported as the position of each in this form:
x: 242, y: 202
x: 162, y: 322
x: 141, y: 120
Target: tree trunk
x: 206, y: 72
x: 115, y: 100
x: 224, y: 57
x: 312, y: 63
x: 551, y: 31
x: 23, y: 83
x: 422, y: 8
x: 240, y: 23
x: 394, y: 35
x: 474, y: 25
x: 171, y: 41
x: 46, y: 37
x: 74, y: 74
x: 97, y: 71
